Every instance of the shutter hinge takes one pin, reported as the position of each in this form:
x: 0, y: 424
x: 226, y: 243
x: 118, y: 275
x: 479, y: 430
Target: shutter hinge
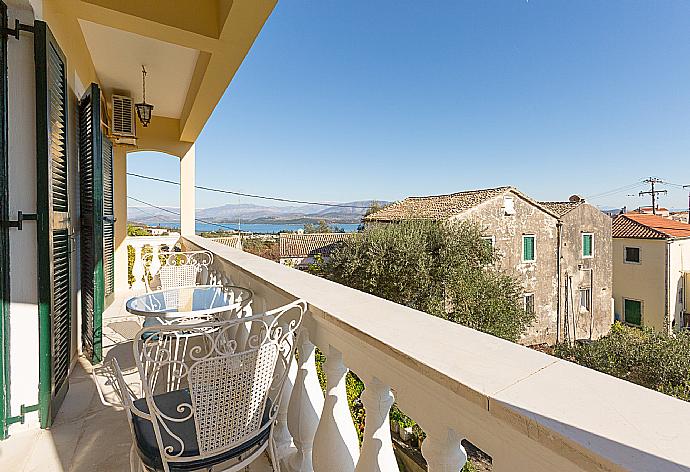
x: 21, y: 217
x: 22, y: 415
x: 17, y: 28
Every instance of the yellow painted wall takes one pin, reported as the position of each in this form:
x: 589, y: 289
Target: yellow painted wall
x: 645, y: 281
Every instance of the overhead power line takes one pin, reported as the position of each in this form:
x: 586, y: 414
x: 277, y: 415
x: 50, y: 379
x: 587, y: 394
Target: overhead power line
x: 177, y: 214
x: 607, y: 193
x: 249, y: 195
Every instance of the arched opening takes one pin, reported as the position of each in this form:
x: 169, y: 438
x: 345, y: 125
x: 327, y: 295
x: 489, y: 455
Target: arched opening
x: 153, y: 203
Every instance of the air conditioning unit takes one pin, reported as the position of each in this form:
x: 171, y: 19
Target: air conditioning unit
x: 123, y: 117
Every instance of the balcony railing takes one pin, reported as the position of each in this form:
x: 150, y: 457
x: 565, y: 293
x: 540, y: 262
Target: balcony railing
x: 527, y: 410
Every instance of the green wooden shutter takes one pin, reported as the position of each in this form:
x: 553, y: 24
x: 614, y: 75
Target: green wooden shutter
x: 4, y: 236
x: 633, y: 312
x: 586, y: 245
x: 91, y: 216
x: 53, y: 235
x: 108, y: 219
x: 528, y: 248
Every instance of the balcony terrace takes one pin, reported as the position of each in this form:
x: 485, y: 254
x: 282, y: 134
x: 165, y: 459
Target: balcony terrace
x: 527, y: 410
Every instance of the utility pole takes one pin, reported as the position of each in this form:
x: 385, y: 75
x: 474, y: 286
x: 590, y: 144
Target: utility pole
x: 652, y: 192
x: 688, y: 186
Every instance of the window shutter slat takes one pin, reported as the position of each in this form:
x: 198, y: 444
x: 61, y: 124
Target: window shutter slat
x: 93, y: 253
x: 53, y: 231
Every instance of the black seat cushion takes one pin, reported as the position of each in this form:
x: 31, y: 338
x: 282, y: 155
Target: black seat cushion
x: 167, y: 403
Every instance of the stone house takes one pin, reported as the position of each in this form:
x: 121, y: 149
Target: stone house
x: 651, y: 278
x: 560, y: 251
x: 300, y: 250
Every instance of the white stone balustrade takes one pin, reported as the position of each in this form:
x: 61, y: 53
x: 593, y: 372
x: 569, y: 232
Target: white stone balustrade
x: 155, y: 243
x: 527, y: 410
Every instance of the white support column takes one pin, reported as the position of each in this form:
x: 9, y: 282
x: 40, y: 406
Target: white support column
x: 336, y: 447
x: 306, y: 404
x: 377, y: 448
x: 187, y: 193
x: 443, y: 451
x: 120, y: 207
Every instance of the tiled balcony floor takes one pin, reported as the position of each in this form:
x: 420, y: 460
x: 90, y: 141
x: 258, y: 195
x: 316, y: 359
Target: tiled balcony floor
x: 86, y: 435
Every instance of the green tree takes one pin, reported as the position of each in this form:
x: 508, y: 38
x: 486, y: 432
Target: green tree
x: 321, y: 227
x: 133, y: 230
x: 444, y: 269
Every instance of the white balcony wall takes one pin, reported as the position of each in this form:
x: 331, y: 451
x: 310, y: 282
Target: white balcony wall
x: 22, y: 190
x: 23, y: 337
x: 527, y: 410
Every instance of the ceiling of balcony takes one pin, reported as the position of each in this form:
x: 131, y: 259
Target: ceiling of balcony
x: 191, y: 49
x: 118, y: 56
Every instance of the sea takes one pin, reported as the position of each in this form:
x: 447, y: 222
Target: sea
x: 258, y: 228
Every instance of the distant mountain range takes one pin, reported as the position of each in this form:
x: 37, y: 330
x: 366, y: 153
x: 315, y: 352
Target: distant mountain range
x: 348, y: 212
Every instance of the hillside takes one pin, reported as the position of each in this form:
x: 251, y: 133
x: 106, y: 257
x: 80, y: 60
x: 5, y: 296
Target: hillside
x: 250, y: 213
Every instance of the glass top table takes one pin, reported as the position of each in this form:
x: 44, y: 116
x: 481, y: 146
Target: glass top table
x: 183, y: 302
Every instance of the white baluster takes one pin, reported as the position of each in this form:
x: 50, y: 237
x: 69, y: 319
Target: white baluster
x: 377, y: 449
x: 443, y: 451
x: 336, y: 447
x: 155, y: 265
x: 306, y: 404
x: 138, y: 269
x: 282, y: 436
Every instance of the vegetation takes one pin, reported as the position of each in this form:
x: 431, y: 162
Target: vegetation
x: 133, y: 230
x: 266, y: 248
x: 643, y: 356
x: 373, y: 208
x: 321, y: 227
x: 446, y: 270
x: 443, y: 269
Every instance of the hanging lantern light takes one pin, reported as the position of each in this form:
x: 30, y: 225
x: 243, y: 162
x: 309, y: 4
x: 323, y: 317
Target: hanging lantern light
x: 144, y: 109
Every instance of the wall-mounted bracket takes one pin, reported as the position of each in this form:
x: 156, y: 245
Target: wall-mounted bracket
x: 17, y: 28
x: 23, y: 409
x: 21, y: 217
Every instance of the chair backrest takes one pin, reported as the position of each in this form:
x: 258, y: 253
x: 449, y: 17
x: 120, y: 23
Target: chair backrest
x: 166, y: 270
x: 230, y: 388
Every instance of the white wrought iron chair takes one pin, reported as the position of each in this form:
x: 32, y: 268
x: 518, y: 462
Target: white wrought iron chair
x: 215, y: 404
x: 166, y: 270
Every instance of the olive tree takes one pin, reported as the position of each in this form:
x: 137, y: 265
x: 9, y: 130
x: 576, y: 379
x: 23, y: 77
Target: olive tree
x: 444, y: 269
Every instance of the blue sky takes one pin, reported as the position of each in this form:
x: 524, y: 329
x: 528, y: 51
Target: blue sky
x: 342, y: 101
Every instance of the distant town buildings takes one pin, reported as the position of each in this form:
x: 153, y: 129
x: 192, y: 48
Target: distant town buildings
x: 561, y: 252
x: 651, y: 263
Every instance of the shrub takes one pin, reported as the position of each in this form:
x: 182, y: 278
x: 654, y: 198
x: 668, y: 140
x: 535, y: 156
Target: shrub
x: 646, y: 357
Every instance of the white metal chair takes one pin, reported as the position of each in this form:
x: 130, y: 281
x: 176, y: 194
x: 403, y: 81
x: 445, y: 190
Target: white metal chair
x: 166, y: 270
x: 215, y: 404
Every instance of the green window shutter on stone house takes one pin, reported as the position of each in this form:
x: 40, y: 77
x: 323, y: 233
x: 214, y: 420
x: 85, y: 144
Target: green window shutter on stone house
x: 528, y: 243
x: 587, y: 245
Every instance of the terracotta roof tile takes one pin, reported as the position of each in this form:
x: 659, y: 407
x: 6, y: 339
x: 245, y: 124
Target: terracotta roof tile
x: 435, y: 206
x: 304, y: 245
x: 561, y: 208
x: 441, y: 207
x: 642, y: 226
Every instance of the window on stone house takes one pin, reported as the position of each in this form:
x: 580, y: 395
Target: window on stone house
x: 490, y: 240
x: 509, y: 205
x: 528, y: 300
x: 529, y: 248
x: 586, y: 298
x: 587, y: 245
